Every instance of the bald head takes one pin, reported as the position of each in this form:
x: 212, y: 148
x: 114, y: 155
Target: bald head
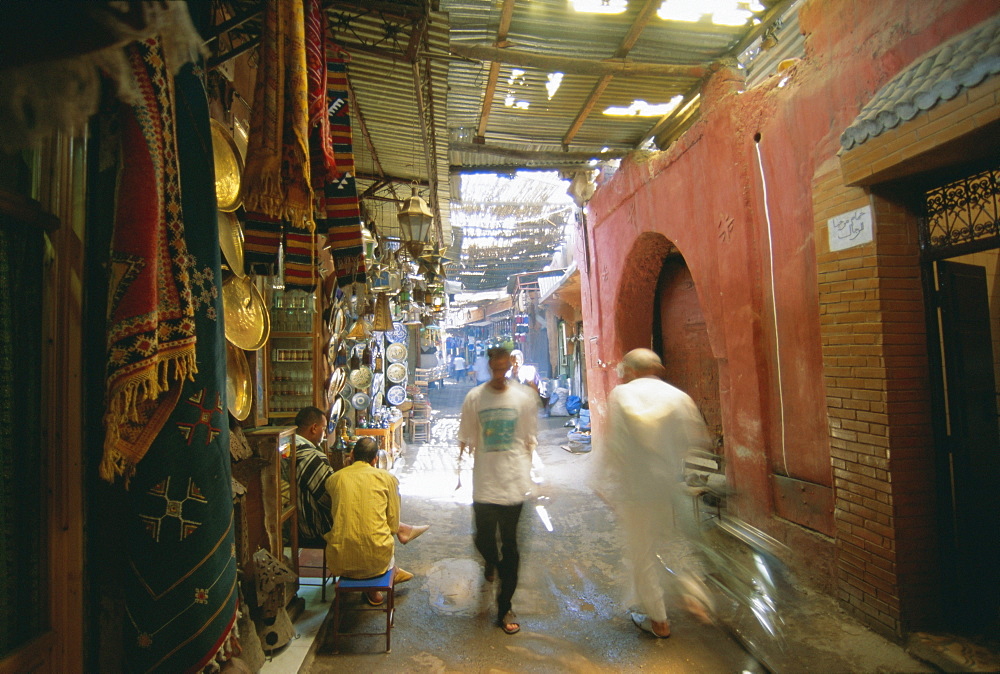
x: 641, y: 363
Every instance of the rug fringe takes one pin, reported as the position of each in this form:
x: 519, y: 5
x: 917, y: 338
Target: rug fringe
x: 123, y: 408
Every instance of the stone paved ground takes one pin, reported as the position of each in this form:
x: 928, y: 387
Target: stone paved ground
x: 568, y: 597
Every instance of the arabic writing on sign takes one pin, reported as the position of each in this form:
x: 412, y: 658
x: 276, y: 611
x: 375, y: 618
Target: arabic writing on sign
x: 850, y: 229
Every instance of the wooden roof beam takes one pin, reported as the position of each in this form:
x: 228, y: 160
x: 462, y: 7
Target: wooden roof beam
x: 646, y: 13
x: 538, y: 155
x: 575, y: 66
x: 506, y: 12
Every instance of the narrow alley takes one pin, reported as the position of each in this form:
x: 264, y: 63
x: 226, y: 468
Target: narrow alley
x: 567, y: 598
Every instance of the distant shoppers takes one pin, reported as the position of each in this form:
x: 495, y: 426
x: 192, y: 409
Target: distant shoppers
x: 482, y: 369
x: 498, y: 426
x: 651, y: 427
x: 458, y: 364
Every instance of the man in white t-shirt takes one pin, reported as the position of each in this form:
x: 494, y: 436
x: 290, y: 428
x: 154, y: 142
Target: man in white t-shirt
x: 458, y: 363
x: 498, y: 425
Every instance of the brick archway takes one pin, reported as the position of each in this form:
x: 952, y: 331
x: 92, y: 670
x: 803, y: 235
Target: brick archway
x: 634, y: 305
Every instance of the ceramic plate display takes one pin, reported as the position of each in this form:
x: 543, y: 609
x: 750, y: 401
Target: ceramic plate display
x: 347, y: 391
x: 338, y: 322
x: 395, y: 352
x: 361, y: 378
x: 396, y: 372
x: 398, y: 333
x: 228, y: 167
x: 395, y: 395
x: 360, y: 401
x: 231, y: 242
x: 239, y: 388
x: 247, y: 321
x: 337, y: 408
x: 337, y: 380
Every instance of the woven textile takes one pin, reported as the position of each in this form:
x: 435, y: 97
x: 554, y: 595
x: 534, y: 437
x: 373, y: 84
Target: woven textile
x: 151, y: 333
x: 277, y: 177
x: 339, y: 202
x: 180, y: 589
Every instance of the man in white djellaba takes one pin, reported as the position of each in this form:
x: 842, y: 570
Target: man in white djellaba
x: 651, y: 426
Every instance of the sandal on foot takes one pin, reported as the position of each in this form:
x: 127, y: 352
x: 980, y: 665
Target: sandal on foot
x: 509, y: 623
x: 490, y: 574
x: 645, y: 623
x: 375, y: 599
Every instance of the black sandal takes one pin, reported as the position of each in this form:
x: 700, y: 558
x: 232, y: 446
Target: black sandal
x: 508, y: 623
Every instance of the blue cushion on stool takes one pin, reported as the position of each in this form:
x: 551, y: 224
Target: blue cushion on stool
x: 385, y: 580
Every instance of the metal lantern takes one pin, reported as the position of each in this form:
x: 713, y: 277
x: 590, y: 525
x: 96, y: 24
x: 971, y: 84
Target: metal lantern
x: 369, y: 243
x: 415, y: 222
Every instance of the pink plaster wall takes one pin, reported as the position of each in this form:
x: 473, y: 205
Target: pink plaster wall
x: 705, y: 196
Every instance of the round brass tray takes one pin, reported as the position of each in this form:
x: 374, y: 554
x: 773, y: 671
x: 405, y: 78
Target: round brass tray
x: 239, y: 388
x: 228, y: 167
x: 231, y: 242
x: 247, y: 322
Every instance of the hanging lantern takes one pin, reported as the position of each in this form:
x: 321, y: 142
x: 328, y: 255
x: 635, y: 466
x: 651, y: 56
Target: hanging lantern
x: 415, y: 222
x: 383, y: 318
x: 369, y: 243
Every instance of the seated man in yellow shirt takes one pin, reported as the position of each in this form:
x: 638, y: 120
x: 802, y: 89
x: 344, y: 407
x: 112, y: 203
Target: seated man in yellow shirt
x: 365, y: 509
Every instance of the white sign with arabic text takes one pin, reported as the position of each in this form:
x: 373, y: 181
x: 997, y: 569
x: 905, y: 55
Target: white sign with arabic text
x: 850, y: 229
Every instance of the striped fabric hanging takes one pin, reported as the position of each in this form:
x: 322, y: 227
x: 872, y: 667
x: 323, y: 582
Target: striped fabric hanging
x: 340, y: 198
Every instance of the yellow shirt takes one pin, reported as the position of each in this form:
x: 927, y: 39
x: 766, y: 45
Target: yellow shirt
x: 365, y: 509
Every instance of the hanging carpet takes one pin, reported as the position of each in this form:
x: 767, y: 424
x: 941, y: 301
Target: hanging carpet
x: 181, y: 585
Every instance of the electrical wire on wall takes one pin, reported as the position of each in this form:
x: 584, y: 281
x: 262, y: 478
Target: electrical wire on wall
x: 774, y: 301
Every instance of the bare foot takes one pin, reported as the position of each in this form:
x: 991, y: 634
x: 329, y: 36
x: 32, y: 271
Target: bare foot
x: 407, y: 532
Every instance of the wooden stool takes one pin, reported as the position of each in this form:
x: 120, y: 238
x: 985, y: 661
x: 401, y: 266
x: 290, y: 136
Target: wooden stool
x: 383, y: 583
x: 307, y: 544
x: 419, y: 430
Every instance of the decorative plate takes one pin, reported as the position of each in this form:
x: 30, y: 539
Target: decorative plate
x: 248, y: 324
x: 231, y: 242
x: 396, y: 352
x: 337, y: 381
x: 398, y: 333
x: 396, y: 372
x: 361, y: 401
x: 228, y: 167
x: 239, y: 388
x: 361, y: 378
x: 337, y: 408
x: 347, y: 391
x: 395, y: 395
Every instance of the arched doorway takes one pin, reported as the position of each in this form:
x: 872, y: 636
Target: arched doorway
x: 658, y: 308
x: 681, y: 338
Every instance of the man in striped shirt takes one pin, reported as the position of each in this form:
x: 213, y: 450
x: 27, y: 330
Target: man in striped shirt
x: 312, y: 469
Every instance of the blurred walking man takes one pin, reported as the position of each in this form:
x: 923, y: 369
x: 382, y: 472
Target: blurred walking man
x: 651, y: 427
x: 498, y: 426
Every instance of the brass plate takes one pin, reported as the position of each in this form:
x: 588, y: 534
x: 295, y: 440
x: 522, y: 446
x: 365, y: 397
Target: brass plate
x: 239, y: 388
x: 247, y: 322
x: 228, y: 167
x: 231, y: 242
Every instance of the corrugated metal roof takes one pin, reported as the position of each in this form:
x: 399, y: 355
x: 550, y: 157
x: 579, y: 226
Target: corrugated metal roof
x: 562, y: 131
x: 960, y: 63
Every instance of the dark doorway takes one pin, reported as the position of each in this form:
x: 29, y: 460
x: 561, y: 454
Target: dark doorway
x: 681, y: 338
x: 968, y: 447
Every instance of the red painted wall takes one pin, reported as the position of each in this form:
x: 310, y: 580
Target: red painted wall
x: 705, y: 197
